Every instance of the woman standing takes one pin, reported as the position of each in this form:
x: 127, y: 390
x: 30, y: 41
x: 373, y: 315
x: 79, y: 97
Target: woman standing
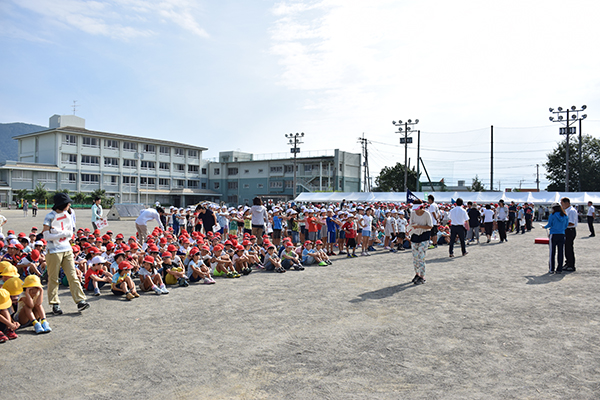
x: 557, y: 222
x: 259, y: 218
x: 420, y: 228
x: 365, y: 224
x: 96, y: 212
x: 488, y: 221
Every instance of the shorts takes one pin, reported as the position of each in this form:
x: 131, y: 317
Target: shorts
x: 351, y: 243
x: 366, y: 233
x: 342, y: 234
x: 312, y: 236
x: 276, y: 233
x: 196, y: 279
x: 217, y: 273
x: 117, y: 292
x: 269, y: 266
x: 401, y: 235
x: 90, y: 285
x: 434, y: 230
x: 331, y: 237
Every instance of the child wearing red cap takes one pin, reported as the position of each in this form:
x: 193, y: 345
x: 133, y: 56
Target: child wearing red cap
x: 221, y: 263
x: 321, y: 253
x: 240, y: 260
x: 29, y: 264
x: 122, y: 284
x: 173, y: 273
x: 150, y: 279
x: 290, y: 257
x: 196, y: 268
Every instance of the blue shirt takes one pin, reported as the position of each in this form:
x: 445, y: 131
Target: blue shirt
x: 306, y: 253
x: 276, y: 222
x: 557, y: 223
x: 331, y: 225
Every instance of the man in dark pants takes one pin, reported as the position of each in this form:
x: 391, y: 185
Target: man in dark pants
x: 570, y: 234
x: 590, y: 218
x: 460, y: 222
x: 502, y: 216
x: 512, y: 214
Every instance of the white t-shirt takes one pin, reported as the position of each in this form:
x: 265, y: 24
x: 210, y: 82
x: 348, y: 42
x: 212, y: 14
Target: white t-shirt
x: 367, y: 220
x: 148, y: 215
x: 488, y: 216
x: 591, y: 211
x: 434, y: 211
x: 458, y: 216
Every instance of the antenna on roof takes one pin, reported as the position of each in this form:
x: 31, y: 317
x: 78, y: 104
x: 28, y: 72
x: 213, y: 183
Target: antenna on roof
x: 75, y: 105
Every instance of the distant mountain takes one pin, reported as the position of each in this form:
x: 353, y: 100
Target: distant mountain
x: 9, y: 150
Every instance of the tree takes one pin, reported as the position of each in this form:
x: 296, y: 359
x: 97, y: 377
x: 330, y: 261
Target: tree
x: 107, y: 202
x: 391, y: 179
x: 19, y: 194
x: 590, y: 173
x: 79, y: 198
x: 477, y: 186
x: 40, y: 193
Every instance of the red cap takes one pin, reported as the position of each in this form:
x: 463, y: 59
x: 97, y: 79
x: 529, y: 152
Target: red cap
x: 172, y: 248
x: 125, y: 248
x: 239, y: 247
x: 35, y: 255
x: 218, y: 247
x: 246, y: 243
x: 166, y: 254
x: 76, y: 248
x: 110, y: 246
x: 124, y: 265
x: 105, y: 237
x: 149, y: 259
x: 120, y: 236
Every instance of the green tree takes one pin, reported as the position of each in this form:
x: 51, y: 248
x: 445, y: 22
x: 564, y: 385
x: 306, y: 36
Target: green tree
x: 19, y: 194
x: 590, y: 171
x: 391, y: 179
x: 107, y: 202
x: 477, y: 186
x: 79, y: 198
x: 40, y: 193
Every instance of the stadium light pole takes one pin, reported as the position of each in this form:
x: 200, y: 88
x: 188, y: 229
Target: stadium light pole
x: 572, y: 115
x: 405, y: 140
x: 294, y: 140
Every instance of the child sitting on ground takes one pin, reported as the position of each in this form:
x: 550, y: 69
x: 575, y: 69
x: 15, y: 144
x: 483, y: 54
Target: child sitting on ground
x: 122, y: 284
x: 221, y: 264
x: 310, y: 256
x: 30, y: 309
x: 290, y: 258
x: 321, y: 252
x: 173, y: 273
x: 7, y: 325
x: 150, y: 279
x: 272, y: 262
x: 240, y: 260
x: 196, y: 268
x: 29, y: 264
x: 96, y: 276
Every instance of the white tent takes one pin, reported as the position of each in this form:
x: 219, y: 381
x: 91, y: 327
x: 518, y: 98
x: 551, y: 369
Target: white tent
x: 577, y: 198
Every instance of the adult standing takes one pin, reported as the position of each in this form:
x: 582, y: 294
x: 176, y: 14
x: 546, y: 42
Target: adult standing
x: 459, y: 225
x: 25, y: 207
x: 207, y: 217
x: 96, y: 211
x: 512, y: 215
x: 420, y: 228
x: 474, y: 221
x: 2, y: 222
x: 501, y: 218
x: 58, y: 230
x: 488, y: 221
x: 147, y: 215
x: 570, y: 234
x: 34, y: 208
x: 434, y: 211
x: 259, y: 218
x: 591, y: 213
x: 557, y: 222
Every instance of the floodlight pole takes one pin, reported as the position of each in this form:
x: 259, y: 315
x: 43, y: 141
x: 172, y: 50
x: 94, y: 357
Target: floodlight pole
x: 406, y: 129
x: 572, y: 115
x: 294, y: 140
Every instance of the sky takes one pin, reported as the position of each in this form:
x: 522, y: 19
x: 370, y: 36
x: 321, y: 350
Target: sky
x: 239, y: 75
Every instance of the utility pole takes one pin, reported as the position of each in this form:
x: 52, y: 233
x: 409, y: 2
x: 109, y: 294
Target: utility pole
x: 572, y: 116
x: 492, y: 158
x: 418, y: 163
x: 537, y: 179
x: 294, y: 140
x: 363, y: 141
x: 584, y: 116
x: 405, y: 140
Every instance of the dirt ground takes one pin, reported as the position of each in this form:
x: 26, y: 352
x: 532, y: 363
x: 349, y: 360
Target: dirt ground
x: 490, y: 325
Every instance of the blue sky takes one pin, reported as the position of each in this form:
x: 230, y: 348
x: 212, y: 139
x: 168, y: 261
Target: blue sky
x: 239, y: 75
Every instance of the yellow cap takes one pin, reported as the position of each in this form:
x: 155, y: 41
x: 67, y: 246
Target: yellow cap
x: 14, y: 286
x: 32, y: 281
x: 11, y: 271
x: 5, y: 300
x: 3, y: 265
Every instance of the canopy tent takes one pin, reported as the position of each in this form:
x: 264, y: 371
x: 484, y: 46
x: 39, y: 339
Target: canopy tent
x: 577, y: 198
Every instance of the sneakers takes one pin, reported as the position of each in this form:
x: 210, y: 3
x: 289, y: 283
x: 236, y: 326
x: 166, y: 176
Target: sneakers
x: 164, y: 289
x: 280, y: 270
x: 10, y: 334
x: 349, y: 256
x: 56, y: 310
x: 419, y: 281
x: 323, y: 264
x: 129, y: 296
x: 156, y: 289
x: 38, y: 328
x: 136, y: 294
x: 3, y: 337
x: 230, y: 275
x: 46, y: 327
x: 82, y: 305
x: 209, y: 281
x: 246, y: 271
x: 183, y: 282
x: 299, y: 267
x: 354, y: 256
x: 96, y: 292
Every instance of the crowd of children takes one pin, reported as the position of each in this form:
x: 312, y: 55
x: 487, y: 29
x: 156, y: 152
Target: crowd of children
x: 183, y: 253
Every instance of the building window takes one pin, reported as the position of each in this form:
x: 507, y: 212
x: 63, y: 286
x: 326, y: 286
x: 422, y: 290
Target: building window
x: 149, y: 148
x: 164, y: 150
x: 203, y: 184
x: 290, y: 168
x: 164, y: 183
x: 70, y: 140
x: 216, y: 171
x: 111, y: 180
x: 69, y: 158
x: 278, y: 169
x: 232, y: 171
x: 179, y: 151
x: 87, y: 141
x: 260, y: 171
x: 260, y: 186
x: 232, y: 185
x: 129, y: 146
x: 129, y: 163
x: 193, y: 153
x: 276, y: 184
x: 216, y: 185
x: 164, y: 166
x: 289, y: 184
x: 66, y: 178
x: 180, y: 167
x: 46, y: 177
x: 129, y: 180
x: 246, y: 186
x: 193, y: 184
x: 203, y: 171
x: 147, y: 165
x: 111, y: 144
x: 179, y: 183
x: 22, y: 176
x: 146, y: 181
x: 111, y: 162
x: 90, y: 160
x: 90, y: 178
x: 193, y: 168
x: 232, y: 199
x: 246, y: 171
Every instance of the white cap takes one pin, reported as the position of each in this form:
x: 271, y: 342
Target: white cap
x: 98, y: 260
x: 38, y: 243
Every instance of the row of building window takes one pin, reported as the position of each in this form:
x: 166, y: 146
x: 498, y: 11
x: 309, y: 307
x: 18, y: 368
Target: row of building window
x: 272, y: 185
x: 278, y: 169
x: 114, y: 163
x: 87, y: 141
x: 132, y: 180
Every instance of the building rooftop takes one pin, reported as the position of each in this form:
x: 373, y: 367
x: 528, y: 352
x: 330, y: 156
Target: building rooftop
x: 82, y: 131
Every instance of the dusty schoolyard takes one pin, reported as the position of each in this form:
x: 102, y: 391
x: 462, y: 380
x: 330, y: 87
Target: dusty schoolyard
x: 491, y: 325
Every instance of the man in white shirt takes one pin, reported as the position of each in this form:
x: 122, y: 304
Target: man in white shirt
x: 570, y: 234
x: 147, y: 215
x: 459, y: 225
x: 435, y: 218
x: 590, y: 218
x: 501, y: 218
